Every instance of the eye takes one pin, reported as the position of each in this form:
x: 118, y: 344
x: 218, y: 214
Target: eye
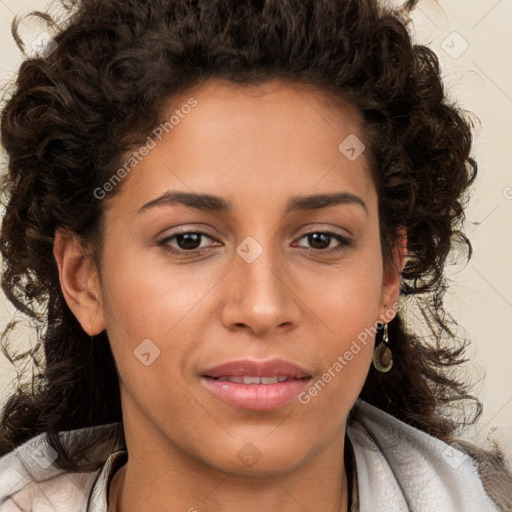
x: 321, y: 241
x: 188, y: 242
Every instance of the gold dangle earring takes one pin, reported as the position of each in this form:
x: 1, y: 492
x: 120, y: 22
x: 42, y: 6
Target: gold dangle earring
x: 382, y: 355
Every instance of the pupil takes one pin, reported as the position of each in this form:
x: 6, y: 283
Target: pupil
x: 317, y: 238
x: 190, y: 240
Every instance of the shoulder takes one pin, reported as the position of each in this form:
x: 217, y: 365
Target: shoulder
x: 402, y: 468
x: 31, y: 480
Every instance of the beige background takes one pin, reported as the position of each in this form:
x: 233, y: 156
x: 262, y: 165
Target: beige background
x: 473, y: 40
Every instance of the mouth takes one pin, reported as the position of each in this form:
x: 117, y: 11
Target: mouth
x: 250, y: 369
x: 256, y: 385
x: 246, y: 379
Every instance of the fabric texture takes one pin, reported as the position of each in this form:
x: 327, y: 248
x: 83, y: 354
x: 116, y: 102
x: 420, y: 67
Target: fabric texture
x: 397, y: 468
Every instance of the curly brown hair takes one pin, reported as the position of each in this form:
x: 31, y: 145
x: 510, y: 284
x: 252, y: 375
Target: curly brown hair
x: 73, y: 116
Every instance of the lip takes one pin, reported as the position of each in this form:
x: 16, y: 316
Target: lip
x: 256, y: 397
x: 268, y: 368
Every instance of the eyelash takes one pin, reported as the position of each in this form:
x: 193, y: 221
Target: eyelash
x: 345, y: 243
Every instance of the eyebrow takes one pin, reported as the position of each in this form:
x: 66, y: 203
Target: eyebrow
x: 212, y: 203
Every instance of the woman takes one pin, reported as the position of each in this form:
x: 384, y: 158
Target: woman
x: 224, y: 208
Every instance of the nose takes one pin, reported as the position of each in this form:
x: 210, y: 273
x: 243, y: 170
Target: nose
x: 259, y: 294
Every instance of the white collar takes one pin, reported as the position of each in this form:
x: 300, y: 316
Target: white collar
x: 399, y: 469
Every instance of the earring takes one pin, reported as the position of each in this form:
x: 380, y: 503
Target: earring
x: 382, y: 355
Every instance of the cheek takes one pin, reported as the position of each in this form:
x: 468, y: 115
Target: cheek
x: 149, y: 298
x: 347, y: 303
x: 346, y: 296
x: 346, y: 310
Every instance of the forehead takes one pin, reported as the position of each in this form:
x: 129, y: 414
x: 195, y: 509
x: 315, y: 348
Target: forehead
x: 272, y: 97
x: 271, y: 138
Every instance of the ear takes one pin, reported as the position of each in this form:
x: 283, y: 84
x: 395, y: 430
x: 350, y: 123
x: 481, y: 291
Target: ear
x: 392, y: 279
x: 79, y: 281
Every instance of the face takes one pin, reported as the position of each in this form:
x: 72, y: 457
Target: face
x: 183, y: 289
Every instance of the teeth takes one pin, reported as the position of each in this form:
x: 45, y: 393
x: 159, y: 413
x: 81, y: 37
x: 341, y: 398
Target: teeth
x: 232, y: 379
x: 254, y: 380
x: 251, y: 380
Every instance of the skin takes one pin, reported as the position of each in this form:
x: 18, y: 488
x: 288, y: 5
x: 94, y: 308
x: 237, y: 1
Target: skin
x: 255, y: 147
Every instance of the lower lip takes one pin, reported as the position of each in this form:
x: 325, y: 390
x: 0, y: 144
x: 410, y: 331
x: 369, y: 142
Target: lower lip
x: 257, y: 397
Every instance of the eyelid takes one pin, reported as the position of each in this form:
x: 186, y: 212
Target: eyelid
x: 344, y: 241
x: 185, y: 232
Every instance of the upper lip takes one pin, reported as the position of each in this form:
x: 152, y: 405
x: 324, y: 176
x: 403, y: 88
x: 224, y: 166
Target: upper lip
x: 248, y: 367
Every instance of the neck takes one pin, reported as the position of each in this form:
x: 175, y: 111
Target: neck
x: 149, y: 483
